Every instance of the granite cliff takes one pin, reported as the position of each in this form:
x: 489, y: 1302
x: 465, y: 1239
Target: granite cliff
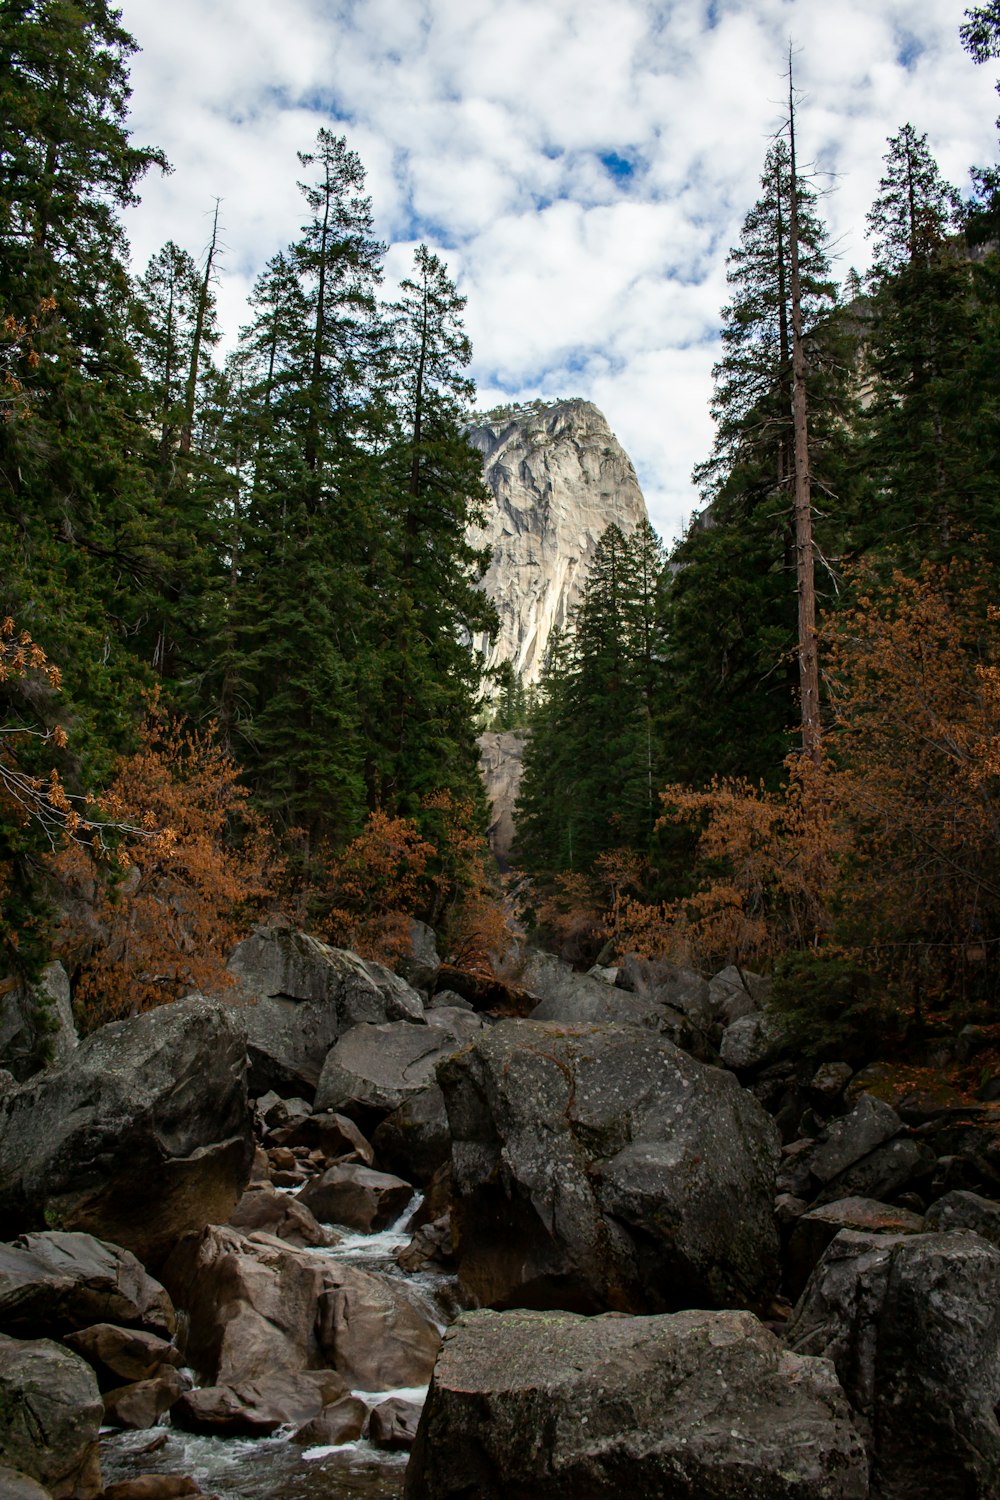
x: 559, y: 477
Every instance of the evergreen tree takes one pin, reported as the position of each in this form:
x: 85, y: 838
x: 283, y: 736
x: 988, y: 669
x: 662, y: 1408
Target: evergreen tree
x: 731, y: 605
x: 297, y: 601
x: 421, y: 719
x: 591, y: 766
x: 929, y: 490
x: 78, y: 530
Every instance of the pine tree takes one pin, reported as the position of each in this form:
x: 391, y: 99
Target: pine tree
x: 731, y: 605
x: 422, y: 717
x: 920, y: 444
x: 592, y: 768
x: 297, y: 588
x: 76, y: 505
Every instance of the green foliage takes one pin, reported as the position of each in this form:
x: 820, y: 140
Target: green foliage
x: 926, y: 444
x: 730, y: 610
x: 591, y: 765
x: 835, y: 1009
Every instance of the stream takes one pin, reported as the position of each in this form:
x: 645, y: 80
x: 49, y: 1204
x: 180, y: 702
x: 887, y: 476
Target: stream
x: 275, y: 1468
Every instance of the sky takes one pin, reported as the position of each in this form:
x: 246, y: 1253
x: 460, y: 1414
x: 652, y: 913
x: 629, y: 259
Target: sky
x: 583, y: 166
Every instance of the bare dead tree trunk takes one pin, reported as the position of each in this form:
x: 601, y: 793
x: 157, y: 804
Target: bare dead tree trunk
x: 804, y: 550
x: 199, y: 334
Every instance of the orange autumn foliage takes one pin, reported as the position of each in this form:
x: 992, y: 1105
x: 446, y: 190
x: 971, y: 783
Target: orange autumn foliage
x: 377, y: 884
x: 912, y: 670
x: 764, y: 869
x: 185, y: 895
x: 394, y: 872
x: 889, y: 850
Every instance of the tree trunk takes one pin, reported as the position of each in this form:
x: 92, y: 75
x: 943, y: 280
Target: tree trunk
x: 804, y: 551
x: 196, y: 343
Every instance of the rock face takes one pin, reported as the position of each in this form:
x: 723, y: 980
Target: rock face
x: 36, y: 1022
x: 600, y: 1167
x: 501, y: 764
x: 559, y: 478
x: 694, y: 1406
x: 912, y: 1324
x: 50, y: 1415
x: 144, y: 1134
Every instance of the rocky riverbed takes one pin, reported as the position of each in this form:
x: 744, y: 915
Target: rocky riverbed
x: 661, y: 1252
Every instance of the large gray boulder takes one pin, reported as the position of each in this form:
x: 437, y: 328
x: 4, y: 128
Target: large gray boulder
x: 693, y: 1406
x: 50, y: 1416
x: 673, y: 1007
x: 55, y: 1283
x: 414, y: 1141
x: 142, y: 1135
x: 298, y: 995
x: 962, y: 1210
x: 373, y: 1069
x: 912, y: 1324
x: 36, y: 1022
x: 819, y: 1227
x: 681, y: 989
x: 601, y: 1167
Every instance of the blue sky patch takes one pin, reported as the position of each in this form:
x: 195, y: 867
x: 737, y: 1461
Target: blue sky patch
x: 909, y: 49
x: 618, y: 166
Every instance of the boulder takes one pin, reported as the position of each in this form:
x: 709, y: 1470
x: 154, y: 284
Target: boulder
x: 372, y: 1069
x: 218, y: 1411
x: 394, y: 1423
x: 868, y: 1125
x: 56, y: 1283
x: 36, y: 1022
x: 273, y: 1112
x: 260, y: 1310
x: 144, y: 1402
x: 420, y: 966
x: 334, y: 1136
x: 884, y: 1174
x: 815, y: 1230
x: 912, y: 1324
x: 356, y: 1197
x: 753, y: 1041
x: 118, y: 1354
x: 288, y: 1218
x: 414, y: 1141
x: 961, y: 1210
x: 829, y: 1081
x: 730, y: 996
x: 457, y: 1018
x: 681, y: 989
x: 143, y: 1135
x: 430, y: 1247
x: 600, y: 1167
x: 17, y: 1486
x: 342, y: 1421
x: 582, y: 998
x: 690, y: 1406
x: 50, y: 1416
x: 153, y: 1487
x: 297, y: 996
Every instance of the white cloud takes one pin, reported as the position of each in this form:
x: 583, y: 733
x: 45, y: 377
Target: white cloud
x: 487, y: 127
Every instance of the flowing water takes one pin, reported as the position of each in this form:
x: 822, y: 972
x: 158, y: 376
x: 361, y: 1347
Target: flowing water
x: 274, y: 1468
